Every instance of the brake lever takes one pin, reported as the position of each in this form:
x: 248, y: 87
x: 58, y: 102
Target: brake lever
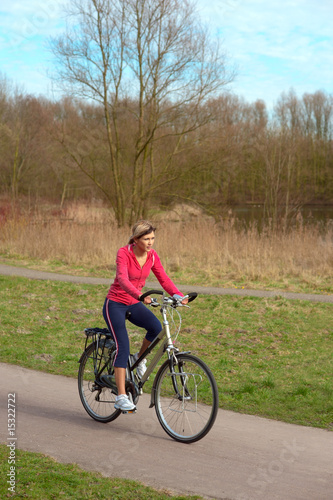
x: 179, y: 302
x: 154, y: 302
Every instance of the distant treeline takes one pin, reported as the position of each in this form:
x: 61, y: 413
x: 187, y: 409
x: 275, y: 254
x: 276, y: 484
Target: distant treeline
x: 242, y: 154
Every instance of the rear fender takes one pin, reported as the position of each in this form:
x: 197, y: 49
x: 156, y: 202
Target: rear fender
x: 85, y: 351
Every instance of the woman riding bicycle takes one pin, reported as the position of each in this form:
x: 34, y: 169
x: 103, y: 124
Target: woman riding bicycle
x: 134, y: 263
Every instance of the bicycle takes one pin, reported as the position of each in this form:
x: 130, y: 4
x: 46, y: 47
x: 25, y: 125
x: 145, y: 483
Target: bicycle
x: 184, y: 391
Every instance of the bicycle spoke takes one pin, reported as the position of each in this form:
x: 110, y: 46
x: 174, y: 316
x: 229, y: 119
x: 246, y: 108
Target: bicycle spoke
x: 97, y: 400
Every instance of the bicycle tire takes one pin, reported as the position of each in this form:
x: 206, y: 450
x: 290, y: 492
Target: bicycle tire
x: 186, y: 399
x: 98, y: 401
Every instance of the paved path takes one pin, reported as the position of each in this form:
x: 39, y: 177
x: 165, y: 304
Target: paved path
x: 242, y: 458
x: 33, y: 274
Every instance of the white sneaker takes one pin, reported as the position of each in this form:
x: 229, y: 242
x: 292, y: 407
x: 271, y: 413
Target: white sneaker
x: 123, y: 403
x: 141, y: 368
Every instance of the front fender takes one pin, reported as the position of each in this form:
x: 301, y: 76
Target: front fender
x: 153, y: 390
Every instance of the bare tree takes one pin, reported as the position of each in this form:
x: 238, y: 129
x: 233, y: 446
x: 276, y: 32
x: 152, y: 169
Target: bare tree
x: 309, y: 122
x: 228, y: 165
x: 277, y: 150
x: 22, y: 124
x: 317, y: 111
x: 153, y: 61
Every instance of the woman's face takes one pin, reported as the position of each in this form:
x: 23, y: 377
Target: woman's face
x: 146, y: 242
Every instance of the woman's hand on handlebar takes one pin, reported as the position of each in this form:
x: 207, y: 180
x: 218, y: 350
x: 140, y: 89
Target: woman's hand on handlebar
x: 178, y: 297
x: 147, y: 300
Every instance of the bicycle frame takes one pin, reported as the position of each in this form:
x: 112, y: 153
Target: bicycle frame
x: 166, y: 346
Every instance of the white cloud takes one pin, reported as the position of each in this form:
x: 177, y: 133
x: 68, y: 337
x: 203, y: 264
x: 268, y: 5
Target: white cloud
x: 24, y: 29
x: 21, y: 21
x: 22, y: 8
x: 276, y: 44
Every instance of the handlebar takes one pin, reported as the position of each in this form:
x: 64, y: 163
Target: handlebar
x: 174, y: 302
x: 191, y: 296
x: 150, y: 292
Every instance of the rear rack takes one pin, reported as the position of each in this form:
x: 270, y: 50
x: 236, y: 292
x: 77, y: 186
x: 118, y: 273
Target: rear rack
x: 90, y: 332
x: 100, y: 335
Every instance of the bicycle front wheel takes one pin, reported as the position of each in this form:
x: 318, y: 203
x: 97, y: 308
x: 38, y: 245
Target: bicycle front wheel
x: 186, y: 398
x: 98, y: 401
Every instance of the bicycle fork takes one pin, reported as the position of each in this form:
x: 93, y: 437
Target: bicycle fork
x: 172, y: 353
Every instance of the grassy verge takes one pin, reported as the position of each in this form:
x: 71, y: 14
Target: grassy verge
x: 270, y: 357
x: 52, y: 480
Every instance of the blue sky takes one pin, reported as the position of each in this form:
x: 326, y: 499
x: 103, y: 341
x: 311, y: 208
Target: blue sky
x: 275, y: 45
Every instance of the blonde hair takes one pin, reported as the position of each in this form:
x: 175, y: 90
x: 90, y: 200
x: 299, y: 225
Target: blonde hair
x: 141, y: 228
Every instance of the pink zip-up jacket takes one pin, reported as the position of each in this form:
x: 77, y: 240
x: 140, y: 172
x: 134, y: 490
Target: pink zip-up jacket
x: 131, y: 277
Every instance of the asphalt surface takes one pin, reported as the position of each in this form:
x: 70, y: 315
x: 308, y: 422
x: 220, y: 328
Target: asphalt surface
x: 242, y: 458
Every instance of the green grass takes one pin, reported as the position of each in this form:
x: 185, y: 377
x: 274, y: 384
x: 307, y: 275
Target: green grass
x: 52, y: 480
x: 195, y: 275
x: 270, y: 357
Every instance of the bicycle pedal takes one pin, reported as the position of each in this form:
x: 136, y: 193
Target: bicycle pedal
x: 128, y: 411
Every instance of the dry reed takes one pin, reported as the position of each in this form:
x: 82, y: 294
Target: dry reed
x: 216, y: 253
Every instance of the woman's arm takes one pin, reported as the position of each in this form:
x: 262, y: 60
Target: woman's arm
x: 122, y: 262
x: 163, y: 278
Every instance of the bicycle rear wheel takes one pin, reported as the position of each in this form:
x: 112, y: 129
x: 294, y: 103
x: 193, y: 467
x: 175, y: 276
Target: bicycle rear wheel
x: 98, y: 401
x: 186, y: 398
